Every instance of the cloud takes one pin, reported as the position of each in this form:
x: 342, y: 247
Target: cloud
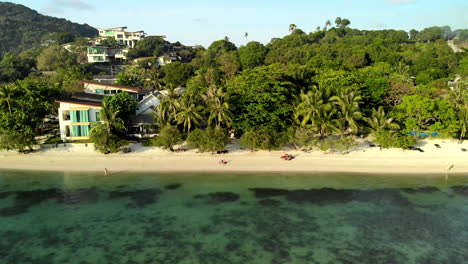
x: 400, y: 2
x: 58, y: 6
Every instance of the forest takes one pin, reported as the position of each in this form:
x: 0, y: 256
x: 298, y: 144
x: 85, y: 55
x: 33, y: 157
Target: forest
x: 321, y: 89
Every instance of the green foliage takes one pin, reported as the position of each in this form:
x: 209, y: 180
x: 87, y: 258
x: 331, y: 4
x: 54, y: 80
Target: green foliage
x: 105, y: 142
x: 305, y: 138
x: 263, y: 139
x: 55, y: 57
x: 123, y: 104
x: 261, y: 99
x: 209, y: 140
x: 388, y: 139
x: 23, y: 105
x: 14, y: 67
x: 168, y: 137
x: 64, y: 37
x: 177, y: 73
x: 152, y: 46
x: 252, y: 55
x: 421, y: 113
x: 23, y: 28
x: 342, y: 145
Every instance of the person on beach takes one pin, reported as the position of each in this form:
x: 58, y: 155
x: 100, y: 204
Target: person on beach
x: 106, y: 172
x: 223, y: 162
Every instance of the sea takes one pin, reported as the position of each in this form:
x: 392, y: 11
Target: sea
x: 125, y: 217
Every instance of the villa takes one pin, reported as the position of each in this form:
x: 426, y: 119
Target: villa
x: 79, y: 110
x: 125, y: 40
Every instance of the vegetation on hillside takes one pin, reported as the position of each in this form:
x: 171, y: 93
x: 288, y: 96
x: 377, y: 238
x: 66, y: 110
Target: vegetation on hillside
x: 23, y: 28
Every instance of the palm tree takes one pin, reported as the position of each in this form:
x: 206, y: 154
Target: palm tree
x: 325, y: 120
x: 379, y: 120
x: 220, y: 113
x: 187, y: 113
x: 459, y: 96
x: 348, y: 110
x: 7, y: 93
x: 246, y: 35
x: 169, y: 101
x: 109, y: 122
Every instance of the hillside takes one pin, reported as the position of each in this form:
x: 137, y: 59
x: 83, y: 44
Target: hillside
x: 23, y: 28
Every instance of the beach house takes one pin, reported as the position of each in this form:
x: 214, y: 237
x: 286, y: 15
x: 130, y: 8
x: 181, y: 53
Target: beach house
x: 79, y: 110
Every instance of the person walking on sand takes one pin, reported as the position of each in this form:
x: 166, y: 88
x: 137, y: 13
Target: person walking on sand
x: 106, y: 172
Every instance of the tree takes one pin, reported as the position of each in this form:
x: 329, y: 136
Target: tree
x: 14, y: 67
x: 379, y: 121
x: 252, y: 55
x: 349, y: 112
x: 188, y: 113
x: 23, y: 105
x: 263, y: 139
x: 64, y: 37
x: 122, y: 104
x: 217, y: 108
x: 168, y: 137
x: 104, y: 133
x: 177, y: 73
x: 421, y: 113
x: 150, y: 46
x: 55, y: 57
x: 211, y: 139
x: 261, y: 98
x: 230, y: 63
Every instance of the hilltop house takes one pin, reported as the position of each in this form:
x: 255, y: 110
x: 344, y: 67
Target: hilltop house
x: 125, y: 40
x: 77, y: 112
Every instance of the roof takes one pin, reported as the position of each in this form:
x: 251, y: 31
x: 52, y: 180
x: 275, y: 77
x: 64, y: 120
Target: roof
x: 88, y: 96
x: 123, y: 87
x: 80, y: 102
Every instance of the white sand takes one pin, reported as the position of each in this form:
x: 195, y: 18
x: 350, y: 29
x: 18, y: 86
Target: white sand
x: 77, y: 157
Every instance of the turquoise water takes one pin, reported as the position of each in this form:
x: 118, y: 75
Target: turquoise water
x: 232, y: 218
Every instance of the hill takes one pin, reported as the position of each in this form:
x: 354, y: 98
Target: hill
x: 23, y: 28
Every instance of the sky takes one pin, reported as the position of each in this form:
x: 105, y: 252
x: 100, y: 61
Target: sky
x: 200, y: 22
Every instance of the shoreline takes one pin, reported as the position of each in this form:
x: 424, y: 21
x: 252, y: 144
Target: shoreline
x: 362, y: 159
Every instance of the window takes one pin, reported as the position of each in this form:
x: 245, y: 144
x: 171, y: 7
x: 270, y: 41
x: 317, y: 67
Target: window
x: 97, y: 116
x: 66, y: 115
x: 119, y: 36
x: 99, y: 91
x: 80, y: 131
x: 106, y: 91
x: 67, y: 131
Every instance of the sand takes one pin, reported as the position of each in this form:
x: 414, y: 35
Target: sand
x: 362, y: 159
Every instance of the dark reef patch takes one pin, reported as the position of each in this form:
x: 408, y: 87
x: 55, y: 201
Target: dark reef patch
x: 26, y: 199
x: 268, y: 192
x: 140, y: 198
x: 320, y: 196
x: 218, y: 197
x: 79, y: 196
x: 460, y: 190
x: 4, y: 195
x: 425, y: 189
x: 269, y: 202
x: 172, y: 186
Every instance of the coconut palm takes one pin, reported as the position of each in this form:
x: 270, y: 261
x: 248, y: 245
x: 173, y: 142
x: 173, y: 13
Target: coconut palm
x: 348, y: 110
x: 109, y: 122
x: 187, y: 113
x: 379, y: 121
x: 7, y: 93
x: 219, y: 113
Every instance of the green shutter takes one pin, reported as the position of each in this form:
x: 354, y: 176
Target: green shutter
x: 73, y: 116
x: 100, y: 91
x: 97, y: 116
x: 76, y: 131
x: 84, y: 116
x: 86, y: 131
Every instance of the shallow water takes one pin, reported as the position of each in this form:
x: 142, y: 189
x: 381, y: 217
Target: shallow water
x: 82, y: 218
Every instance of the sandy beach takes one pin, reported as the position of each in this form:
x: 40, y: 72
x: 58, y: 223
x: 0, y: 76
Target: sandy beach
x: 364, y: 159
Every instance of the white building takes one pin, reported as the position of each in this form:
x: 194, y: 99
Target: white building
x: 126, y: 39
x: 76, y: 114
